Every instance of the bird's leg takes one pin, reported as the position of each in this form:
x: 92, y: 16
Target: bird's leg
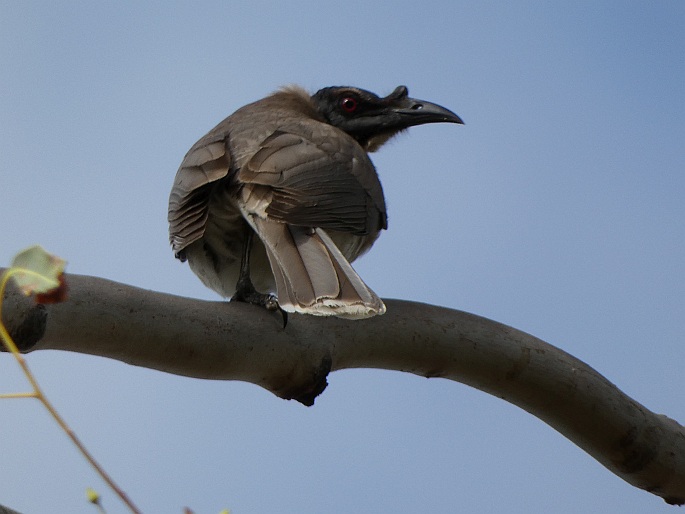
x: 245, y: 290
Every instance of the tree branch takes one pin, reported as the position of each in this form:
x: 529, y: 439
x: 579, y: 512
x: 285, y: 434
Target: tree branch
x: 222, y: 341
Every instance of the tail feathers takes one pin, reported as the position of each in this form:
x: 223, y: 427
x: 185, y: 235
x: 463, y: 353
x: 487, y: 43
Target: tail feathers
x: 312, y: 275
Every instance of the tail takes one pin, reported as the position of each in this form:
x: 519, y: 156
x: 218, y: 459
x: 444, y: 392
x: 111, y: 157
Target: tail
x: 312, y: 275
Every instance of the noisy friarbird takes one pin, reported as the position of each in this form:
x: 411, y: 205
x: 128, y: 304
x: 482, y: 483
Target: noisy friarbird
x: 293, y: 169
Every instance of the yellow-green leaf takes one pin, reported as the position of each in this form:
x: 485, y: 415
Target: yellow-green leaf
x: 92, y: 495
x: 37, y: 271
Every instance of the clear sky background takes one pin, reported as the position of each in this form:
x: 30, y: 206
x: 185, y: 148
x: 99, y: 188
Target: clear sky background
x: 559, y: 209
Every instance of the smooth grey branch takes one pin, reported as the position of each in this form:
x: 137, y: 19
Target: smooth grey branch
x: 234, y: 341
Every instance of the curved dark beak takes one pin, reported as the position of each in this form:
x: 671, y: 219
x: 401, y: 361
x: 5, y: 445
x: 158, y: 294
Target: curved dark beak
x: 421, y: 111
x: 412, y: 111
x: 418, y: 112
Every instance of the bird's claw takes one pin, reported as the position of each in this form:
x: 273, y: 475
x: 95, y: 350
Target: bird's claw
x: 270, y: 303
x: 266, y: 300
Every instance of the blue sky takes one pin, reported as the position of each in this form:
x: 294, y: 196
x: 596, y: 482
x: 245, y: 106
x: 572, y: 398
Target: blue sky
x: 557, y: 209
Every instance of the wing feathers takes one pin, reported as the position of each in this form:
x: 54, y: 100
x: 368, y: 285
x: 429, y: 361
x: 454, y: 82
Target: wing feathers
x: 317, y: 183
x: 203, y: 165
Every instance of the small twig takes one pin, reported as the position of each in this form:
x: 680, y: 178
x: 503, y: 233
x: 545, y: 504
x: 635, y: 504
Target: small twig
x: 18, y: 395
x: 38, y: 393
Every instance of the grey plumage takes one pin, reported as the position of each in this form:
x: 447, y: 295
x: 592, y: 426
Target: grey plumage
x: 294, y: 169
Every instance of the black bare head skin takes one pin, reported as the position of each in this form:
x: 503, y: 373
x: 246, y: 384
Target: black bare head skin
x: 368, y: 117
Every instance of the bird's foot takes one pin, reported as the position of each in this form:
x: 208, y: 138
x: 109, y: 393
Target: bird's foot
x: 268, y: 301
x: 248, y: 294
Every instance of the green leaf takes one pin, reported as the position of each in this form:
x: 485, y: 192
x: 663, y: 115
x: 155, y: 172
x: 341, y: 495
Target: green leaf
x: 37, y: 271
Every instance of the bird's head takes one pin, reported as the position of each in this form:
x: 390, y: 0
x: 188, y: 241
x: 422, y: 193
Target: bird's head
x: 372, y: 120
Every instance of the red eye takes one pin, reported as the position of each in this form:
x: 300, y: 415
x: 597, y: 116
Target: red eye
x: 348, y: 104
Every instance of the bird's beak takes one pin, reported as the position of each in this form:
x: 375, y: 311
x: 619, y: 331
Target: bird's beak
x: 411, y: 111
x: 418, y: 112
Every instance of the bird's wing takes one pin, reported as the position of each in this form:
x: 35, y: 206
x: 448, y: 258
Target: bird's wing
x: 322, y: 179
x: 207, y: 161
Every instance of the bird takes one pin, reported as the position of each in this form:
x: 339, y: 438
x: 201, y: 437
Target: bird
x: 272, y: 205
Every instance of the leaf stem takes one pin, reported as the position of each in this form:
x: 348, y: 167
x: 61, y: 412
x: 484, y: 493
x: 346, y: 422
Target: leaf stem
x: 38, y: 393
